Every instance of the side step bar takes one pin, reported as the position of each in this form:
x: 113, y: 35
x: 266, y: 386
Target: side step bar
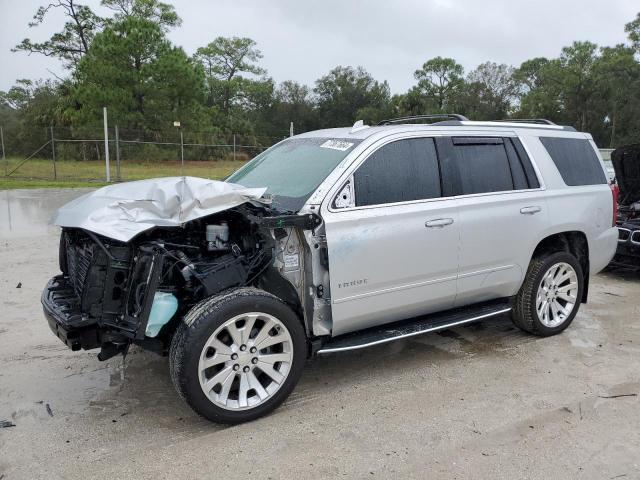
x: 415, y: 326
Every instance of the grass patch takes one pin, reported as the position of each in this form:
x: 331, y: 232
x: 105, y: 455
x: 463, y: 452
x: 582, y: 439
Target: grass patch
x: 39, y: 173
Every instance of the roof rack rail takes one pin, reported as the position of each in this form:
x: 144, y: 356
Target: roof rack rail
x: 436, y: 116
x: 540, y: 121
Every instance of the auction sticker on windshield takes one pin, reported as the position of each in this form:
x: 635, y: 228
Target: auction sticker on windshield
x: 337, y: 145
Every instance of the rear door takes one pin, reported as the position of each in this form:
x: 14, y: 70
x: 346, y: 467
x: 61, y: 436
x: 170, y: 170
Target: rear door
x: 502, y: 212
x: 392, y: 238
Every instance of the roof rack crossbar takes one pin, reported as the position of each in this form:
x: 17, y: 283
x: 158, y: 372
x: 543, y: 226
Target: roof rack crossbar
x: 540, y: 121
x: 436, y: 116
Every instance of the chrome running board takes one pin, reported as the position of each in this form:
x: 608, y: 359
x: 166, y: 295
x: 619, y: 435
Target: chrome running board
x: 413, y: 327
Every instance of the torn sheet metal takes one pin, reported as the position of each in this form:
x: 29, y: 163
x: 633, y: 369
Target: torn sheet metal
x: 124, y: 210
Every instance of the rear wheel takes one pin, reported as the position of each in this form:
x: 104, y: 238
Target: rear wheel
x: 236, y: 357
x: 550, y: 296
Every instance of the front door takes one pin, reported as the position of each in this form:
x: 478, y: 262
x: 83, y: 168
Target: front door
x: 393, y: 252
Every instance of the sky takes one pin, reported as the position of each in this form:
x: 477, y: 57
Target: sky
x: 303, y: 39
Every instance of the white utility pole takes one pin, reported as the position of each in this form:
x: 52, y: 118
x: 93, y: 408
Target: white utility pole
x: 106, y: 144
x: 4, y: 158
x: 181, y: 154
x: 118, y: 176
x: 53, y: 155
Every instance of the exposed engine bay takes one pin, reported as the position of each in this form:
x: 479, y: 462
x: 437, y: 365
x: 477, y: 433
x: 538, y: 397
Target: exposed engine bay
x: 626, y: 163
x: 112, y: 293
x: 115, y: 283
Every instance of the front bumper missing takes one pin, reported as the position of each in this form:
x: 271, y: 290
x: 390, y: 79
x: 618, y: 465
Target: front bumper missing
x: 112, y: 333
x: 61, y: 308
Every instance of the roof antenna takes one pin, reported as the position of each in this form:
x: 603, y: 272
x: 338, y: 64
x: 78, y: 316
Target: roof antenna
x: 359, y: 125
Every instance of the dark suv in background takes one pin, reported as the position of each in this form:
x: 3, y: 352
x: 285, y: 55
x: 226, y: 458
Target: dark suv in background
x: 626, y: 163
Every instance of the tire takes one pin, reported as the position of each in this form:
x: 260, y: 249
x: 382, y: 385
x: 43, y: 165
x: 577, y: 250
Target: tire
x: 228, y: 342
x: 526, y: 314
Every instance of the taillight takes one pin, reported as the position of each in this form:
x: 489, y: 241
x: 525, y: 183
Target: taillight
x: 615, y: 191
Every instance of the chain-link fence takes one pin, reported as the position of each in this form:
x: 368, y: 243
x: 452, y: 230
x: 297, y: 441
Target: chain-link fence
x: 64, y: 153
x: 68, y: 154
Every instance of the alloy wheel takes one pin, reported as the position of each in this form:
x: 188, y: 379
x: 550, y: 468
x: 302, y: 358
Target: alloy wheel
x: 245, y: 361
x: 557, y: 294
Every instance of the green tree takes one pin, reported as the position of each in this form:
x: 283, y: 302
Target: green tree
x: 538, y: 97
x: 617, y: 81
x: 578, y: 92
x: 293, y: 103
x: 563, y: 90
x: 347, y: 94
x: 530, y: 73
x: 440, y: 80
x: 145, y: 81
x: 226, y: 61
x: 73, y: 41
x: 490, y: 92
x: 160, y: 13
x: 27, y: 110
x: 413, y: 102
x: 38, y: 103
x: 539, y: 89
x: 633, y: 32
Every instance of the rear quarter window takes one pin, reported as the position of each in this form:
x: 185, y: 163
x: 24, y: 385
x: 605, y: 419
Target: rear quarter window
x: 576, y: 160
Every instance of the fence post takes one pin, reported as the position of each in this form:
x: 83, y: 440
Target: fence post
x: 181, y: 153
x: 4, y: 158
x: 106, y: 144
x: 234, y: 147
x: 53, y: 155
x: 291, y: 129
x: 118, y: 177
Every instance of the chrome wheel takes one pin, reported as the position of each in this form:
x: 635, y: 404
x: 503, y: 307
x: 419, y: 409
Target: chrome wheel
x: 557, y: 295
x: 245, y: 361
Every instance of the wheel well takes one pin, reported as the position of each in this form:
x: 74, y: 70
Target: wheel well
x: 574, y: 243
x: 271, y: 281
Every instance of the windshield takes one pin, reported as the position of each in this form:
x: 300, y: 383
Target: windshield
x: 293, y: 169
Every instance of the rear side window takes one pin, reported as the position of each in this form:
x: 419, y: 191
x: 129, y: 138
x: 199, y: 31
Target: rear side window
x: 576, y: 160
x: 523, y: 161
x: 483, y: 165
x: 400, y: 171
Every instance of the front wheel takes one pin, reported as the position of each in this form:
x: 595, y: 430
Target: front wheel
x: 237, y: 356
x: 550, y: 296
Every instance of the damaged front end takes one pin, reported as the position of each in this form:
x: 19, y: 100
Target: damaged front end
x: 114, y: 291
x: 626, y: 163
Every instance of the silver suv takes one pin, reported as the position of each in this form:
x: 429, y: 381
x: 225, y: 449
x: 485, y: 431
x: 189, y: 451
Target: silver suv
x: 330, y: 241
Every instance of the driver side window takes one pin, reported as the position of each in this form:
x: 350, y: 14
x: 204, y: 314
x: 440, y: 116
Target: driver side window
x: 400, y: 171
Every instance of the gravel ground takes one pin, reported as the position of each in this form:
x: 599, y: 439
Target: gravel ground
x: 483, y: 401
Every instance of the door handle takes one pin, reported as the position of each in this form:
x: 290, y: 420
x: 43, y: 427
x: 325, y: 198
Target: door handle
x: 438, y: 222
x: 530, y: 210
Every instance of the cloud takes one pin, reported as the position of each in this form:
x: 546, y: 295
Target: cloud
x: 302, y: 40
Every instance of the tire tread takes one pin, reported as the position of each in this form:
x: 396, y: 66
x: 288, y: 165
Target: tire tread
x: 196, y: 319
x: 523, y: 315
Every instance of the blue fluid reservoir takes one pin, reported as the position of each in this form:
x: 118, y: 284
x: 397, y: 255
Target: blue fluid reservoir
x: 163, y: 308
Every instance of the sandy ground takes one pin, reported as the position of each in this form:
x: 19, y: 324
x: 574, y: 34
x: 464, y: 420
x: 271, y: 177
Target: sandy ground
x: 484, y: 401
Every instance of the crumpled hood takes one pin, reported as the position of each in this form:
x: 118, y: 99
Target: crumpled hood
x: 124, y: 210
x: 626, y: 163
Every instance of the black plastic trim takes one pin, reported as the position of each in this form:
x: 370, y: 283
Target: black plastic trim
x: 306, y: 222
x: 435, y: 116
x: 61, y: 308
